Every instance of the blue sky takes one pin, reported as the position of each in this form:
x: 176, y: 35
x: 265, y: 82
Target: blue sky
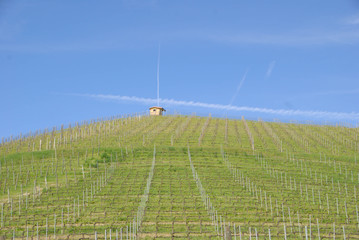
x: 68, y: 61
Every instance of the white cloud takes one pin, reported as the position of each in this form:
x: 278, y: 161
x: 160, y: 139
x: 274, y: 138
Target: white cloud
x: 289, y: 39
x: 283, y: 112
x: 59, y: 47
x: 146, y: 38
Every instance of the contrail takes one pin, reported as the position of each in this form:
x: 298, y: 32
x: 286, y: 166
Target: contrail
x: 270, y: 69
x: 283, y: 112
x: 239, y: 87
x: 158, y: 75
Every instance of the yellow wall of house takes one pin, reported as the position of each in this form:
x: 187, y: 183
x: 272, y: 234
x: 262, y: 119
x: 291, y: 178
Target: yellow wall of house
x: 155, y: 112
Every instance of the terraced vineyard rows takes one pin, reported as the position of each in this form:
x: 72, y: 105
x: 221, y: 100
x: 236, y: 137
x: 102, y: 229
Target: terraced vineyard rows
x: 181, y: 177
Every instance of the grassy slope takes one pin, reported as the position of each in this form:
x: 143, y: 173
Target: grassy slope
x: 91, y: 178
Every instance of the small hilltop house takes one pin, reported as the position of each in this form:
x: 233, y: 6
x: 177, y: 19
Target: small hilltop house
x: 157, y: 111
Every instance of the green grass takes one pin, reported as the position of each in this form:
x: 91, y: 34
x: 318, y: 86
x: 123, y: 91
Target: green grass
x: 94, y: 177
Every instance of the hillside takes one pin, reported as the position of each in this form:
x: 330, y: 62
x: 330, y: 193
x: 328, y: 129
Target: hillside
x: 181, y: 177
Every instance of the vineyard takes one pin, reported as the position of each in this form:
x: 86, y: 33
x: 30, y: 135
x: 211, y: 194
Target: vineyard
x: 181, y: 177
